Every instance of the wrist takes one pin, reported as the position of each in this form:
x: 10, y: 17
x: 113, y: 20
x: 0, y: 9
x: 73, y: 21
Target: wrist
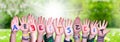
x: 100, y: 38
x: 76, y: 36
x: 58, y: 36
x: 67, y: 38
x: 84, y: 36
x: 91, y: 36
x: 14, y: 33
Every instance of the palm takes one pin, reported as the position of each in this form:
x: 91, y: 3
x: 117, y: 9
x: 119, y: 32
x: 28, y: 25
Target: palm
x: 77, y: 25
x: 68, y: 28
x: 14, y: 24
x: 85, y: 28
x: 93, y: 27
x: 41, y: 25
x: 49, y: 26
x: 102, y: 31
x: 31, y: 22
x: 24, y: 24
x: 58, y: 26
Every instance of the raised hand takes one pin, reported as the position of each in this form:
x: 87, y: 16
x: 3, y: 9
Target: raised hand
x: 40, y: 28
x: 15, y: 24
x: 31, y: 22
x: 85, y: 28
x: 24, y: 28
x: 41, y: 25
x: 14, y: 29
x: 58, y: 26
x: 24, y: 25
x: 93, y: 29
x: 102, y: 31
x: 32, y: 27
x: 49, y: 27
x: 68, y: 29
x: 77, y: 26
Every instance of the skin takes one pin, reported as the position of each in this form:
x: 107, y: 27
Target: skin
x: 85, y: 29
x: 68, y: 30
x: 40, y: 28
x: 13, y: 32
x: 59, y: 26
x: 32, y: 27
x: 102, y: 26
x: 49, y: 27
x: 93, y: 29
x: 24, y: 30
x: 77, y: 28
x: 59, y: 30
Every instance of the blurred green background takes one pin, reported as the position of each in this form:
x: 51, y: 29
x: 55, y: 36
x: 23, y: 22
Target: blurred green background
x: 92, y: 9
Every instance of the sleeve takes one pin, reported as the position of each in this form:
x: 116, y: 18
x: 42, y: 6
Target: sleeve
x: 50, y: 39
x: 67, y: 41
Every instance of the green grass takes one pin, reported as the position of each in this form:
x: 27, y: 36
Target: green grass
x: 112, y: 36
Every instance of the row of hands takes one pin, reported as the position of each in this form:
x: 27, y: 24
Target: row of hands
x: 59, y: 26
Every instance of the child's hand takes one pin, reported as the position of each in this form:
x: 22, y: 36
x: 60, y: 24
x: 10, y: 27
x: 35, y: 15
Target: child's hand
x: 68, y: 29
x: 41, y: 25
x: 77, y: 26
x: 15, y: 24
x: 31, y: 23
x: 93, y: 29
x: 32, y: 27
x: 102, y: 31
x: 85, y: 28
x: 24, y: 25
x: 49, y: 27
x: 58, y: 26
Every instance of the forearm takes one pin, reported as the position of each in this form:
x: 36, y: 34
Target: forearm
x: 32, y: 37
x: 58, y: 38
x: 13, y: 37
x: 84, y: 38
x: 76, y: 37
x: 40, y: 38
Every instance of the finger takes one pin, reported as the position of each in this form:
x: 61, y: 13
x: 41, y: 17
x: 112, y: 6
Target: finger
x: 91, y: 25
x: 64, y: 23
x: 62, y: 20
x: 56, y: 21
x: 106, y: 24
x: 70, y: 22
x: 20, y: 20
x: 39, y: 19
x: 88, y: 22
x: 59, y: 22
x: 100, y: 24
x: 67, y: 22
x: 103, y: 23
x: 23, y: 19
x: 43, y: 21
x: 47, y: 21
x: 53, y: 23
